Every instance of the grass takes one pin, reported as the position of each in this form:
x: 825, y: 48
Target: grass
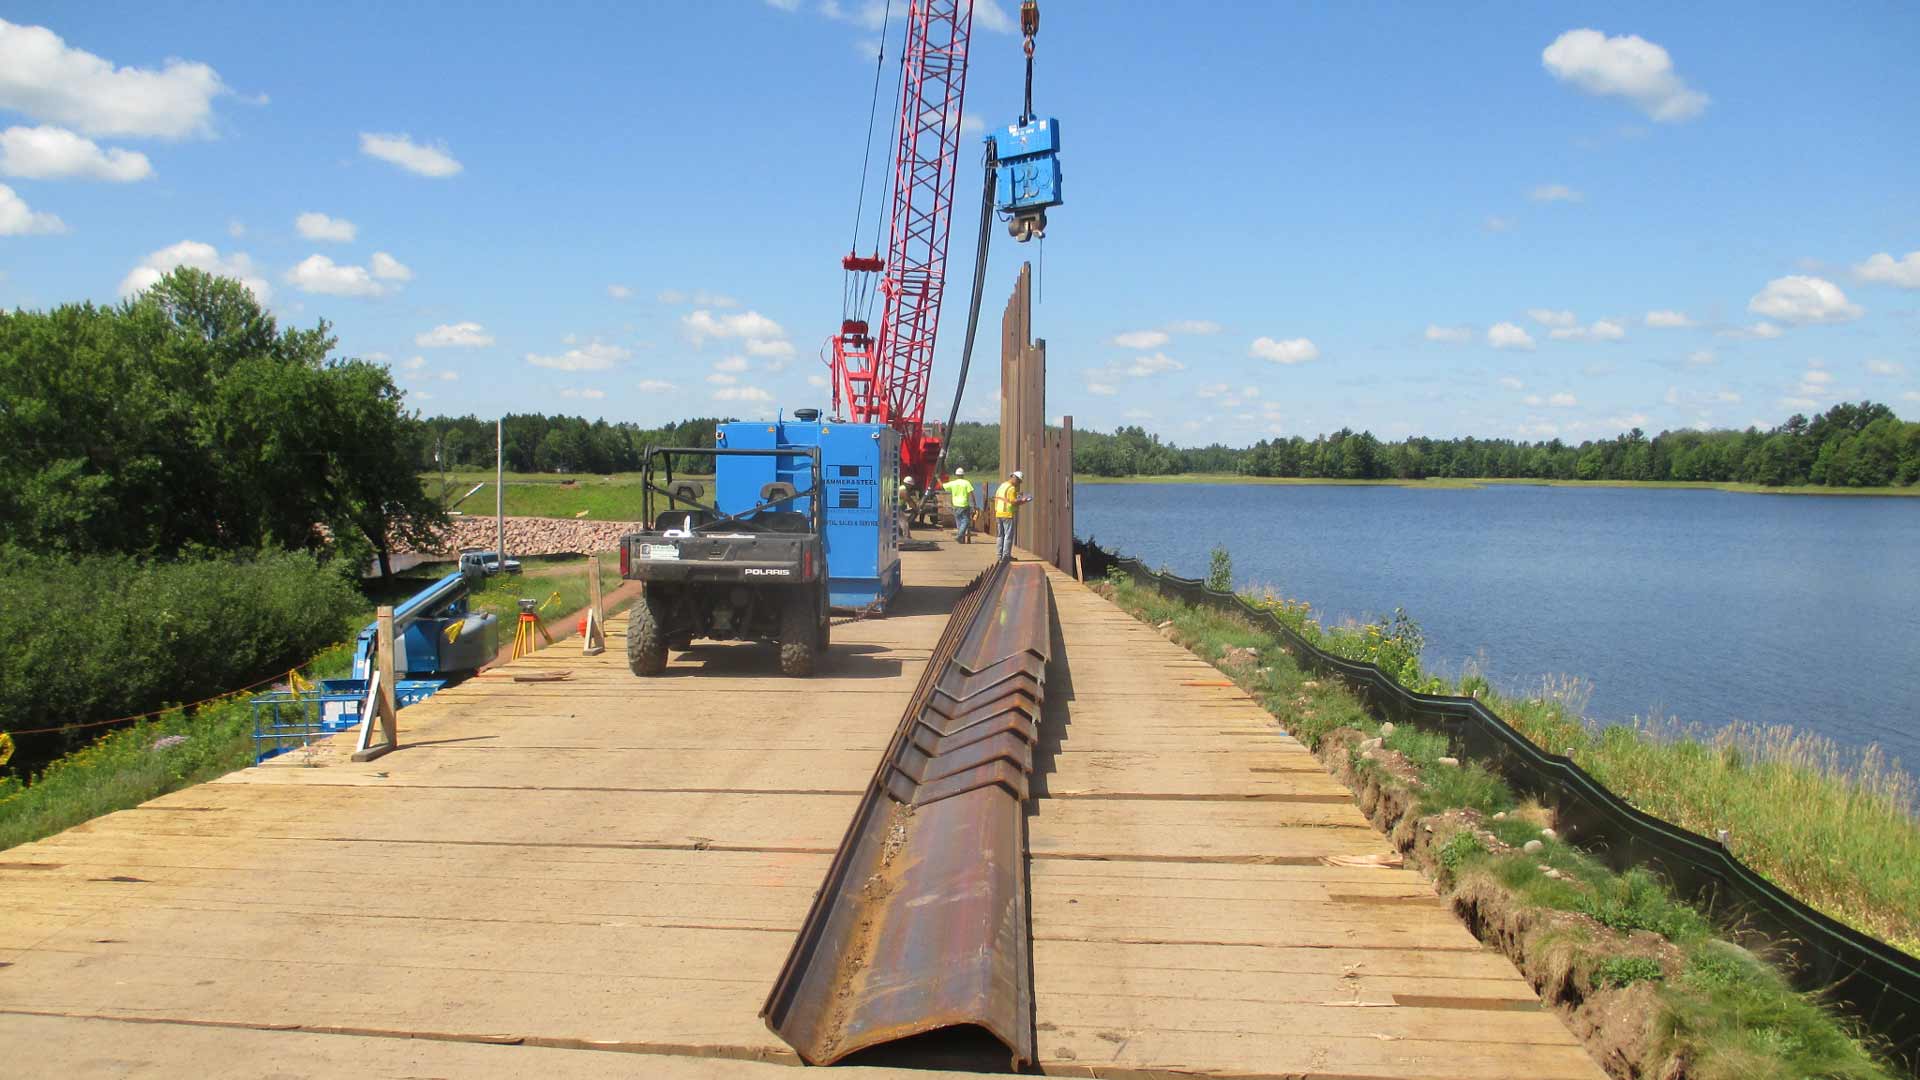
x: 128, y: 766
x: 597, y: 498
x: 1718, y: 1007
x: 1461, y: 483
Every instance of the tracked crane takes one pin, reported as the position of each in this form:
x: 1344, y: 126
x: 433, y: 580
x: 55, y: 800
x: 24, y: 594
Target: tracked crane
x: 883, y: 377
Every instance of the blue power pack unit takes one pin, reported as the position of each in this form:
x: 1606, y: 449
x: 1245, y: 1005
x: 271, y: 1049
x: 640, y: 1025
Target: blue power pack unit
x: 1029, y: 166
x: 860, y: 472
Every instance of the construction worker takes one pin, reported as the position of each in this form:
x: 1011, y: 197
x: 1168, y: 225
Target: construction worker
x: 903, y: 504
x: 960, y: 496
x: 1006, y: 503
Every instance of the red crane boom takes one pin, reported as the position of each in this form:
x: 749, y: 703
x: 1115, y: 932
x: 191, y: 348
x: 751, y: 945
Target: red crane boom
x: 884, y: 379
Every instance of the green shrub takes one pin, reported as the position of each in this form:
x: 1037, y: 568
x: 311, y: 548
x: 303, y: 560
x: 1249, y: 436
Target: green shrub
x: 1459, y: 849
x: 99, y: 637
x: 1617, y: 971
x: 1220, y: 570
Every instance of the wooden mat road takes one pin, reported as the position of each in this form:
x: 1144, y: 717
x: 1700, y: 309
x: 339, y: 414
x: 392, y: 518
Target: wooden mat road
x: 552, y: 878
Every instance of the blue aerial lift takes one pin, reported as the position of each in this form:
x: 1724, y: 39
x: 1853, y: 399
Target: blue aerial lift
x: 437, y: 637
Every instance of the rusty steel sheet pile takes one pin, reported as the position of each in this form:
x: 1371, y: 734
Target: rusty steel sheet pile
x: 922, y: 921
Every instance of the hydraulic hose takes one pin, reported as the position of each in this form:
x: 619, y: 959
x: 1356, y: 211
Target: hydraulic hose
x: 973, y: 307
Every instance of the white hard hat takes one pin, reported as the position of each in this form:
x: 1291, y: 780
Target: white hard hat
x: 1018, y: 475
x: 958, y: 471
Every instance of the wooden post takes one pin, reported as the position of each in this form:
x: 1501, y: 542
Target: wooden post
x: 383, y: 704
x: 594, y: 641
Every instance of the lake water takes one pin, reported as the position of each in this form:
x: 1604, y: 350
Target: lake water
x: 1697, y: 606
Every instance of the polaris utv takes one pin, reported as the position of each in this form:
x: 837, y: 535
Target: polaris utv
x: 756, y: 574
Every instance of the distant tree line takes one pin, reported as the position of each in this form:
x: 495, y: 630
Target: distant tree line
x: 531, y: 442
x: 1849, y: 445
x: 1863, y: 445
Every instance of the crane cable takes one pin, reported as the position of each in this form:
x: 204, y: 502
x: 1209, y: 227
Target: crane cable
x: 973, y: 307
x: 853, y: 295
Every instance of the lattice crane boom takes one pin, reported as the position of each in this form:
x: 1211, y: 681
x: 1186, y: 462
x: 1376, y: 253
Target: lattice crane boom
x: 884, y: 378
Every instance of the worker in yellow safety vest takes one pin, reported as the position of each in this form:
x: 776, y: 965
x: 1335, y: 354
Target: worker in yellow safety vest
x: 1006, y: 503
x: 960, y: 494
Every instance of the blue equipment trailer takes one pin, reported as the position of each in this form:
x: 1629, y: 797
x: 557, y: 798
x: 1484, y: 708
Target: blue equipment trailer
x: 860, y: 472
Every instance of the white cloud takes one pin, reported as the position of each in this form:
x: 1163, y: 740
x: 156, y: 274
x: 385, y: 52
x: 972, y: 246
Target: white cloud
x: 1563, y: 400
x: 731, y: 363
x: 388, y: 268
x: 620, y: 292
x: 236, y: 228
x: 1798, y: 298
x: 721, y: 378
x: 1213, y: 390
x: 1496, y: 223
x: 1700, y: 358
x: 1628, y: 66
x: 193, y: 253
x: 1512, y: 383
x: 412, y: 363
x: 1451, y: 335
x: 816, y: 381
x: 1599, y: 330
x: 1760, y: 330
x: 321, y: 275
x: 1816, y: 377
x: 784, y: 5
x: 416, y: 158
x: 1290, y: 351
x: 1885, y: 367
x: 1630, y: 420
x: 989, y: 15
x: 655, y: 386
x: 1799, y: 403
x: 1193, y: 326
x: 1911, y: 395
x: 1142, y: 339
x: 1549, y: 317
x: 1727, y: 397
x: 741, y: 393
x: 42, y: 76
x: 1136, y: 414
x: 769, y: 348
x: 1506, y: 335
x: 702, y: 325
x: 19, y: 219
x: 1885, y: 269
x: 51, y: 153
x: 317, y: 226
x: 466, y: 335
x: 1154, y: 365
x: 698, y: 298
x: 1554, y: 193
x: 1668, y: 320
x: 1102, y: 389
x: 590, y: 394
x: 593, y: 356
x: 969, y: 123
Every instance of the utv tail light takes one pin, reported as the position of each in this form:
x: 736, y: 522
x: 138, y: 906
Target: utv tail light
x: 806, y: 565
x: 626, y: 559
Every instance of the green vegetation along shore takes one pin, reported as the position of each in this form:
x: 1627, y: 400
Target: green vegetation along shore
x: 1446, y: 483
x: 1863, y: 445
x: 1645, y: 979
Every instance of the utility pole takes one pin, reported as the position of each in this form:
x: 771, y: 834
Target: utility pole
x: 499, y: 495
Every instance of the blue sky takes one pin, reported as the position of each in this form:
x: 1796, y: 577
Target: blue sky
x: 1500, y: 220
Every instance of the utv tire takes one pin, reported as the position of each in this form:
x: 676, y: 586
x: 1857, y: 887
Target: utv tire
x: 800, y: 636
x: 646, y: 638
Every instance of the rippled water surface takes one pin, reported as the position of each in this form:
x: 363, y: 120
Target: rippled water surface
x: 1701, y: 606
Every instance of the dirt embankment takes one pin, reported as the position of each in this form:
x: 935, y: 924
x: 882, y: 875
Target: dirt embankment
x: 526, y: 536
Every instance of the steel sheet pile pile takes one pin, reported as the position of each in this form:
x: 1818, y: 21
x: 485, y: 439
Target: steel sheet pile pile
x: 922, y: 921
